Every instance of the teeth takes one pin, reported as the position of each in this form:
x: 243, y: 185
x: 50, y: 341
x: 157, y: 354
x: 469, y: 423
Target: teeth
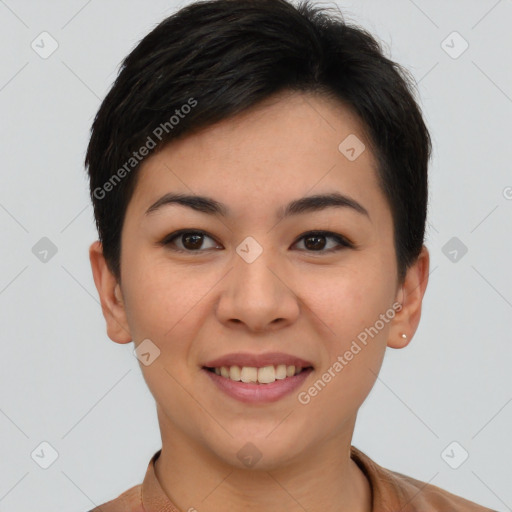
x: 281, y: 371
x: 249, y: 374
x: 263, y: 375
x: 290, y: 371
x: 234, y: 373
x: 266, y: 374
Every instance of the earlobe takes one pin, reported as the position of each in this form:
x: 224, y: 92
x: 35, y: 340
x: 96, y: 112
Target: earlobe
x: 110, y: 294
x: 403, y: 341
x: 408, y: 317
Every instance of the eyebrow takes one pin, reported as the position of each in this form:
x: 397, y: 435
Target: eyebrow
x: 306, y: 204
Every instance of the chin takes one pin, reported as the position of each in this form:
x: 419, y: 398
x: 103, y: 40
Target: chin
x: 260, y: 452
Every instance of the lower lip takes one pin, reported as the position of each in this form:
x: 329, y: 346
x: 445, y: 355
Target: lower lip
x: 259, y: 393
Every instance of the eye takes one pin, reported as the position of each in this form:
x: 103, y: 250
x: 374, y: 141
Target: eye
x: 315, y: 241
x: 190, y: 240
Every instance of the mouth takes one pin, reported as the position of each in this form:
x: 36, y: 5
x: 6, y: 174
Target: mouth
x: 258, y: 375
x: 260, y: 378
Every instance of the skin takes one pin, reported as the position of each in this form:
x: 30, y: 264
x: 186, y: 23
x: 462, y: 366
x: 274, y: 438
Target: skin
x: 293, y: 299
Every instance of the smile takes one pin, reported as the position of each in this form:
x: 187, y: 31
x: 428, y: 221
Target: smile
x: 257, y: 378
x: 262, y: 375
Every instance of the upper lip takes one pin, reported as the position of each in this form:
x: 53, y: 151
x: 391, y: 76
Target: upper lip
x: 257, y: 360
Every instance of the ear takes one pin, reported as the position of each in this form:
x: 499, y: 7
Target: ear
x: 410, y: 295
x: 110, y: 294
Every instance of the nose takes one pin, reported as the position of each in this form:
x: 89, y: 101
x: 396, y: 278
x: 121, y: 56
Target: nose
x: 257, y: 296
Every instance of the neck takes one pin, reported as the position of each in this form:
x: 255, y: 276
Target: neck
x: 325, y: 479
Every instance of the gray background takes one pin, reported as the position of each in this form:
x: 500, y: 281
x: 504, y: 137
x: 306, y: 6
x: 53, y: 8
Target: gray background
x: 64, y: 382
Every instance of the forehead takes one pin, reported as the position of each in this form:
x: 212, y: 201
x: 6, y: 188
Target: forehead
x: 290, y: 145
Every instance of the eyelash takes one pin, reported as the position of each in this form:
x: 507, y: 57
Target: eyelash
x: 342, y: 241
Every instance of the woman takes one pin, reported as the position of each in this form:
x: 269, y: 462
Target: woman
x: 259, y: 179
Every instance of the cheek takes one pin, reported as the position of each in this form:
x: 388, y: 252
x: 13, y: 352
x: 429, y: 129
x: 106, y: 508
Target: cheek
x: 354, y: 350
x: 163, y: 302
x: 353, y: 311
x: 344, y: 301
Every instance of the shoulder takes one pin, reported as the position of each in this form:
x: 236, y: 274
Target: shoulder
x: 421, y: 496
x: 128, y: 501
x: 394, y: 491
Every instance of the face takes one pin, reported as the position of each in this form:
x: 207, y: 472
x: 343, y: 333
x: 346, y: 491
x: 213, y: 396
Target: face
x: 254, y: 284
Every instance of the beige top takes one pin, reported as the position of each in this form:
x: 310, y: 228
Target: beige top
x: 391, y: 492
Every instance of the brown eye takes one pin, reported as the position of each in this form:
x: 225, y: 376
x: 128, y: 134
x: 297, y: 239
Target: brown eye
x: 188, y: 241
x: 192, y: 241
x: 315, y: 241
